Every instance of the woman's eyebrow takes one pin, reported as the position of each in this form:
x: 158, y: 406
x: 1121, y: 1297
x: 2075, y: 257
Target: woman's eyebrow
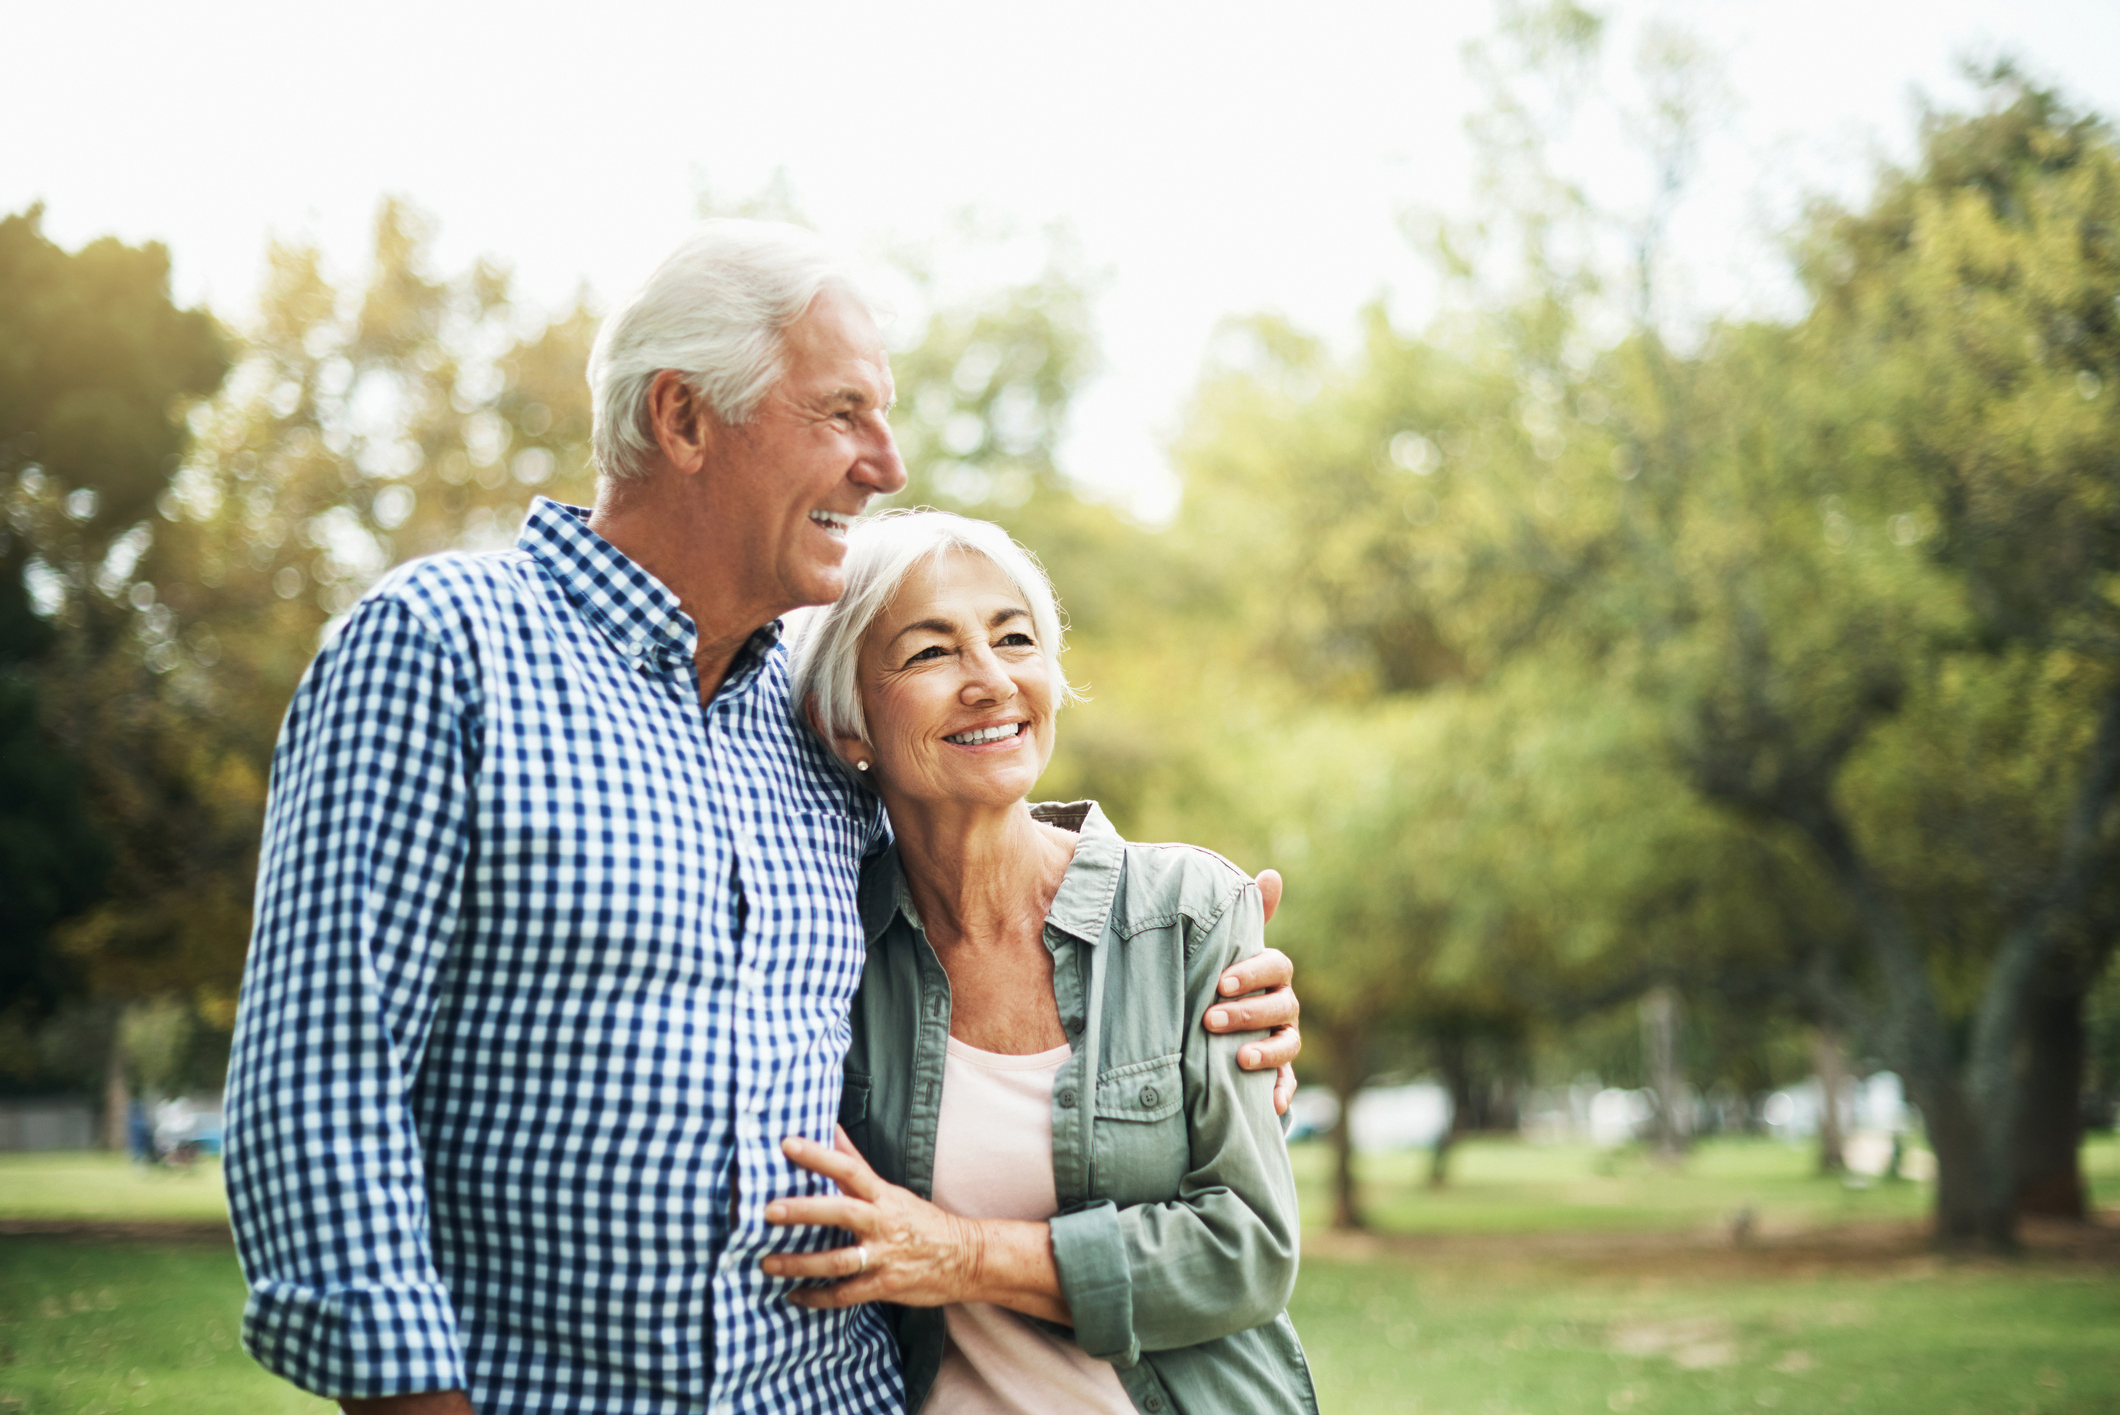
x: 1003, y: 616
x: 932, y: 626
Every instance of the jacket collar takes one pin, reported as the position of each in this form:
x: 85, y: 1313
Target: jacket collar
x: 1081, y: 908
x: 1084, y: 904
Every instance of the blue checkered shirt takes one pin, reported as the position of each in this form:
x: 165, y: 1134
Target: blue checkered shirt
x: 547, y: 960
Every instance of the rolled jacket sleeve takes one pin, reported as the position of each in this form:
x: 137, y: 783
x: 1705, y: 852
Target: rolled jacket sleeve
x: 359, y: 887
x: 1220, y: 1257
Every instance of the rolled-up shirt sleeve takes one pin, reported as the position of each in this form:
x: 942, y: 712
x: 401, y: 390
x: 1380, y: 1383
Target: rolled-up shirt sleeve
x: 1221, y: 1257
x: 359, y: 892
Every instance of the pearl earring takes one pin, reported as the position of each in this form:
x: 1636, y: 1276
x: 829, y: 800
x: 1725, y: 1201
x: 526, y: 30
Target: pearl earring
x: 862, y: 765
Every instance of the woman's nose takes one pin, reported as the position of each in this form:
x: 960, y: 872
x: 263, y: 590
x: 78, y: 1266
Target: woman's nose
x: 987, y: 680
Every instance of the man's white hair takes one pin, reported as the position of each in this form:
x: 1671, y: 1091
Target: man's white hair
x: 715, y: 311
x: 881, y: 552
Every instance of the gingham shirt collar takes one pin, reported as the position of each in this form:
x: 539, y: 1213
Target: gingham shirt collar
x: 638, y: 613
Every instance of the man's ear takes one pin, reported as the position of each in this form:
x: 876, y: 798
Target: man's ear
x: 683, y: 425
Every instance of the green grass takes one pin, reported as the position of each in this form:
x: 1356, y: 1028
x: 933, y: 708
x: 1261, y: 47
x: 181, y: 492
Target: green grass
x: 1598, y: 1309
x: 1916, y: 1340
x: 107, y: 1187
x: 95, y: 1328
x: 1506, y: 1186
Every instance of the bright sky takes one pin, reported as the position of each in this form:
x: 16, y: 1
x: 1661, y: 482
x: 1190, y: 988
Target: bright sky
x: 1211, y: 159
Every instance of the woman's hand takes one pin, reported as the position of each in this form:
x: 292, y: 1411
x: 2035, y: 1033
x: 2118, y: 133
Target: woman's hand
x: 908, y: 1250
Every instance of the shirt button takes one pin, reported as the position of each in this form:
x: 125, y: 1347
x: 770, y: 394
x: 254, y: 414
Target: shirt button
x: 750, y: 979
x: 1067, y: 1100
x: 1154, y: 1402
x: 1148, y: 1096
x: 748, y: 1127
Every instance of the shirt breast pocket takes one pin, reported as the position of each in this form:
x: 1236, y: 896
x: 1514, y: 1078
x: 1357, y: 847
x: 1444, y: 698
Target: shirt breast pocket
x: 1143, y: 1149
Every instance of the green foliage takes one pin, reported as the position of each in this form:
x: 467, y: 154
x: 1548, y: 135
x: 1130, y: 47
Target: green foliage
x: 1773, y: 669
x: 97, y: 367
x: 94, y: 365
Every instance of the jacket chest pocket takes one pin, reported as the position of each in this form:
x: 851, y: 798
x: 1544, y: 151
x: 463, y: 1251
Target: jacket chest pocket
x: 1143, y: 1149
x: 854, y: 1112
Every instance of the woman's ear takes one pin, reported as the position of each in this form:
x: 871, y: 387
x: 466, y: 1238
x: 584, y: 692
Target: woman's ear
x: 851, y: 750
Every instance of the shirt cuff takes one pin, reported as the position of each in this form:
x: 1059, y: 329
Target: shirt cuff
x: 1097, y: 1279
x: 361, y: 1342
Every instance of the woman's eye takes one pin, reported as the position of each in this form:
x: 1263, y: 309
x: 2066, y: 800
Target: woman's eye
x: 1016, y: 641
x: 928, y: 654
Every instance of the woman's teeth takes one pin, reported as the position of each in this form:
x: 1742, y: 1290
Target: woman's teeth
x: 833, y: 522
x: 985, y: 734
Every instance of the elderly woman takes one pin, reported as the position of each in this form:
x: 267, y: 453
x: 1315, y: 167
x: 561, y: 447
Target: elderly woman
x: 1072, y: 1199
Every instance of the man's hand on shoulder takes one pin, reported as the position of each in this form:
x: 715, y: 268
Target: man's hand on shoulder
x: 1262, y: 998
x: 433, y: 1402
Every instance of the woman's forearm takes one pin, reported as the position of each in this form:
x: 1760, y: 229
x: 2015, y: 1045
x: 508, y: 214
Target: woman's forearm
x: 1012, y: 1266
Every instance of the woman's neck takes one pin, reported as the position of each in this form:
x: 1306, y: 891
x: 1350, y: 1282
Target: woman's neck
x: 979, y: 875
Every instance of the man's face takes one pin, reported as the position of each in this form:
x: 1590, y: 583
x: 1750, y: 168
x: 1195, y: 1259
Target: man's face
x: 817, y: 450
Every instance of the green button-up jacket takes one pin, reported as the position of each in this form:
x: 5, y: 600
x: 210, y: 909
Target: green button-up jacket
x: 1177, y: 1235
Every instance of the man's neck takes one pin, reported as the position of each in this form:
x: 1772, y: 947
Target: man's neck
x: 671, y: 539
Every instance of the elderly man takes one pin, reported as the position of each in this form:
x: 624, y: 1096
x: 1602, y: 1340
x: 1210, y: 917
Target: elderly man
x: 556, y: 925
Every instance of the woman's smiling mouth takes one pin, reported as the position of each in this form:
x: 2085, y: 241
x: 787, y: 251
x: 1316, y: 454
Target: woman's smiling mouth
x: 980, y: 736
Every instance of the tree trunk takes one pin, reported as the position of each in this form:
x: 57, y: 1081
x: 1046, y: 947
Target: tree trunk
x: 2049, y: 1173
x: 1349, y: 1071
x: 1659, y: 1012
x: 1974, y: 1206
x: 1831, y: 1063
x: 1452, y: 1058
x: 1972, y: 1211
x: 117, y: 1098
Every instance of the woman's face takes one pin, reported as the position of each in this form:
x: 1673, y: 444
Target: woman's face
x: 956, y: 687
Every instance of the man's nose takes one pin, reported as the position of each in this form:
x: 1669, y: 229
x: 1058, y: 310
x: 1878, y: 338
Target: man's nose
x: 880, y: 468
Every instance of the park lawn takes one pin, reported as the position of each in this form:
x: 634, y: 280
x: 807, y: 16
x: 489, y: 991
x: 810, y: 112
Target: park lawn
x: 97, y: 1327
x: 93, y: 1185
x: 1444, y: 1319
x: 1500, y: 1185
x: 93, y: 1328
x: 1919, y: 1338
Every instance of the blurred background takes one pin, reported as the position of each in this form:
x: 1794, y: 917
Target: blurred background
x: 1621, y: 506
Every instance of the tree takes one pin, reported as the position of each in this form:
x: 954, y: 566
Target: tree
x: 1972, y: 308
x: 1849, y: 579
x: 97, y: 369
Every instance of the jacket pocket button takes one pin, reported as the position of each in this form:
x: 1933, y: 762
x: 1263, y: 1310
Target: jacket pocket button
x: 1154, y: 1402
x: 1148, y: 1096
x: 1067, y: 1100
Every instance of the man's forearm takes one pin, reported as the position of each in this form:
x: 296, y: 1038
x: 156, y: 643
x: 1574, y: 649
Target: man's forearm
x: 433, y: 1402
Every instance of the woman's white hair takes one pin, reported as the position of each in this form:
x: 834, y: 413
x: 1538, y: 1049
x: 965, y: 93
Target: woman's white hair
x: 881, y: 552
x: 714, y: 311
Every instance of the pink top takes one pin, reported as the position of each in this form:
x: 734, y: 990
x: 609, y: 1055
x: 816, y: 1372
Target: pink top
x: 994, y: 1159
